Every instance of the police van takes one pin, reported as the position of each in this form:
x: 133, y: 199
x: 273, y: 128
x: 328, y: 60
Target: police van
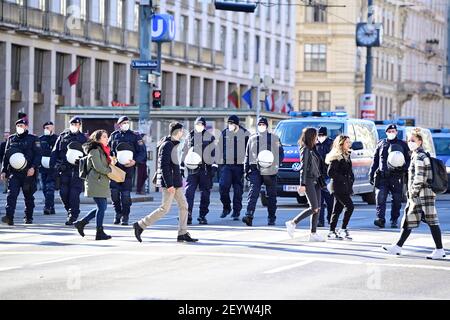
x: 362, y: 133
x: 441, y: 139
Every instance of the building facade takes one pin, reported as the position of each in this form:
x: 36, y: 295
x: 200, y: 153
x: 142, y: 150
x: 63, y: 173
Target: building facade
x: 408, y: 70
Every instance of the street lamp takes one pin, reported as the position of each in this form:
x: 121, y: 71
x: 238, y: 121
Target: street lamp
x: 235, y: 6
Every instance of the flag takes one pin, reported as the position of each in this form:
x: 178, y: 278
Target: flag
x: 233, y: 97
x: 74, y: 76
x: 270, y: 103
x: 280, y: 105
x: 247, y: 96
x: 289, y: 106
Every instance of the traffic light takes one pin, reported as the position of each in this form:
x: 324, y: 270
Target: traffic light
x: 156, y: 97
x: 235, y: 6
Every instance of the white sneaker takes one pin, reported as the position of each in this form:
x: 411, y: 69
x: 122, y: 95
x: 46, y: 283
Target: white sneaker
x: 393, y: 249
x: 315, y: 237
x: 437, y: 254
x: 290, y: 227
x: 343, y: 233
x: 332, y: 235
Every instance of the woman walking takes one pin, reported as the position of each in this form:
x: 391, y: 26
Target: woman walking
x: 341, y: 186
x: 311, y: 183
x: 421, y: 199
x: 96, y: 184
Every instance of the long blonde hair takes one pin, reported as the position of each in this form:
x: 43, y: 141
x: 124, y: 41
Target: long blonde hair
x: 337, y: 151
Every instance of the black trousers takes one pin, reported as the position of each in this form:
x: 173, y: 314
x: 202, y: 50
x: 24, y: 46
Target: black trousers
x: 341, y: 202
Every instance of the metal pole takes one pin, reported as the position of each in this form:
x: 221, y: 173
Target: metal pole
x: 145, y: 15
x: 258, y: 105
x: 369, y: 63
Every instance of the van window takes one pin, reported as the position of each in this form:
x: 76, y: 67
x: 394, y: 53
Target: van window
x: 442, y: 146
x: 367, y: 134
x: 290, y: 132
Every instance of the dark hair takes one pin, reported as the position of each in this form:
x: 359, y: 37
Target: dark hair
x: 94, y: 140
x: 308, y: 138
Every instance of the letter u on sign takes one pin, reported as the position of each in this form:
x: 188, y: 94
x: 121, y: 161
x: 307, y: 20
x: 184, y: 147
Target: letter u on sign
x: 163, y: 28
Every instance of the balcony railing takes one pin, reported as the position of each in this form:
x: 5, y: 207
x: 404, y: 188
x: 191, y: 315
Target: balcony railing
x: 194, y: 55
x: 430, y: 90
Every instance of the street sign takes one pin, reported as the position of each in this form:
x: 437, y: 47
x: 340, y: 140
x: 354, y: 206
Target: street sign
x: 163, y: 28
x: 367, y: 106
x: 145, y: 64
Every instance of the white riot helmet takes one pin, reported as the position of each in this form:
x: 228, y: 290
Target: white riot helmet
x: 18, y: 161
x: 124, y: 153
x: 45, y: 162
x: 192, y: 160
x: 74, y: 152
x: 396, y: 160
x: 265, y: 158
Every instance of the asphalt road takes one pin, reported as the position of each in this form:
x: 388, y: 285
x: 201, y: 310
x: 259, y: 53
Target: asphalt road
x: 231, y: 261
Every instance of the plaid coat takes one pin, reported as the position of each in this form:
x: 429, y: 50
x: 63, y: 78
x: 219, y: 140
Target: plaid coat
x: 421, y: 199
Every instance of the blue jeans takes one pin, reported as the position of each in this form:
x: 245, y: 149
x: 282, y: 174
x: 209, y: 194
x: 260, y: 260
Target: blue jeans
x: 98, y: 212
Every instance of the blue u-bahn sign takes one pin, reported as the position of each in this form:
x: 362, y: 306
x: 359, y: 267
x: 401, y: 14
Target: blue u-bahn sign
x: 163, y: 28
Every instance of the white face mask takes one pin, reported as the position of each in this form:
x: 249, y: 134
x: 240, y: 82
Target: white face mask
x: 73, y: 129
x: 47, y: 132
x: 413, y: 146
x: 199, y: 128
x: 125, y: 127
x: 262, y: 129
x: 391, y: 136
x: 321, y: 139
x: 231, y: 127
x: 20, y: 130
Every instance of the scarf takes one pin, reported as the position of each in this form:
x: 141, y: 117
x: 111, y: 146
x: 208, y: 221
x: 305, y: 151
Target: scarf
x: 107, y: 151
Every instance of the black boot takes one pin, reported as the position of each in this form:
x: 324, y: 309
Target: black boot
x: 125, y: 220
x: 248, y: 219
x: 117, y: 219
x: 47, y: 212
x: 28, y: 220
x: 186, y: 238
x: 202, y: 220
x: 137, y: 231
x: 379, y: 223
x: 225, y: 212
x: 235, y: 216
x: 7, y: 220
x: 79, y: 225
x: 189, y: 219
x: 271, y: 221
x: 52, y: 211
x: 101, y: 235
x: 70, y: 221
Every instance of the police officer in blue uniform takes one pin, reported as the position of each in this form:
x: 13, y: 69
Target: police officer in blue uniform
x: 231, y: 156
x: 48, y: 174
x: 263, y: 155
x: 20, y: 163
x: 385, y: 179
x: 121, y: 192
x: 70, y: 183
x: 202, y: 171
x: 324, y: 146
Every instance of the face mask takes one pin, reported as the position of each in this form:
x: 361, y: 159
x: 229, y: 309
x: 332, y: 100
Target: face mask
x: 262, y: 129
x: 199, y: 128
x: 391, y: 136
x: 73, y: 129
x: 20, y: 130
x: 231, y: 127
x: 321, y: 139
x: 47, y: 132
x: 125, y: 127
x: 413, y: 146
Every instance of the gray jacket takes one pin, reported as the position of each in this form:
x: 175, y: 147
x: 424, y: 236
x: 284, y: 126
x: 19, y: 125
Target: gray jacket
x: 309, y: 166
x: 259, y: 142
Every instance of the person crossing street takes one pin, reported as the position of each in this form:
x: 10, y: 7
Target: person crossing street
x: 48, y: 174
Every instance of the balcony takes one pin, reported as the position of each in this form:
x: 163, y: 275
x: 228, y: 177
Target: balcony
x: 430, y: 90
x: 193, y: 55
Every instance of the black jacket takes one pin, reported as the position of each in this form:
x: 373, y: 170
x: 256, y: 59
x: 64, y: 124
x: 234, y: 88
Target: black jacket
x: 341, y: 174
x: 381, y: 156
x: 310, y: 166
x: 232, y: 142
x: 26, y: 143
x: 170, y: 170
x: 2, y: 150
x: 58, y: 156
x: 323, y: 149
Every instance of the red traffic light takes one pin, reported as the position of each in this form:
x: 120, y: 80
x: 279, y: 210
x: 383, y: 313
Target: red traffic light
x: 156, y: 94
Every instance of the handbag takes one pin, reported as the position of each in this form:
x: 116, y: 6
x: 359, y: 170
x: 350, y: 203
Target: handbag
x: 116, y: 174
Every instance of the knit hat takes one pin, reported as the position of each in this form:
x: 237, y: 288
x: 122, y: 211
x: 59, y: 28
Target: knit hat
x: 233, y: 119
x: 201, y: 120
x: 263, y: 120
x: 174, y: 126
x: 323, y: 131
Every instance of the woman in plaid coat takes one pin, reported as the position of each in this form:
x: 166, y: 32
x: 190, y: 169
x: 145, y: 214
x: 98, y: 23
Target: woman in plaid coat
x: 421, y: 199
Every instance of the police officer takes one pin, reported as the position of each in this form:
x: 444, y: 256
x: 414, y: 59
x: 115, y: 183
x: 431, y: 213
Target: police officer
x: 263, y: 156
x: 201, y: 166
x: 2, y: 153
x: 21, y: 162
x: 48, y: 174
x: 324, y: 146
x: 125, y: 140
x: 68, y: 167
x: 231, y: 155
x: 387, y: 179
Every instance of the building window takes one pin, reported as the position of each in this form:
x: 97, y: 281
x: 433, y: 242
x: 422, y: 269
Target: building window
x: 183, y: 28
x: 15, y: 66
x: 59, y: 73
x: 235, y: 43
x: 197, y: 32
x: 257, y: 46
x: 324, y: 100
x: 134, y: 78
x: 277, y: 54
x: 116, y: 80
x: 210, y: 43
x: 98, y: 79
x: 79, y: 90
x: 315, y: 57
x: 120, y: 13
x: 316, y: 12
x: 267, y: 51
x: 223, y: 38
x: 38, y: 68
x: 288, y: 56
x: 246, y: 44
x: 305, y: 100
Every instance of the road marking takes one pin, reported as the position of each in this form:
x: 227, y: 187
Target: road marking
x: 9, y: 268
x: 291, y: 266
x: 63, y: 259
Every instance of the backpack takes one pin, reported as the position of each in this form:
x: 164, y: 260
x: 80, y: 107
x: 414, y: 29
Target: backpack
x: 83, y: 168
x: 439, y: 182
